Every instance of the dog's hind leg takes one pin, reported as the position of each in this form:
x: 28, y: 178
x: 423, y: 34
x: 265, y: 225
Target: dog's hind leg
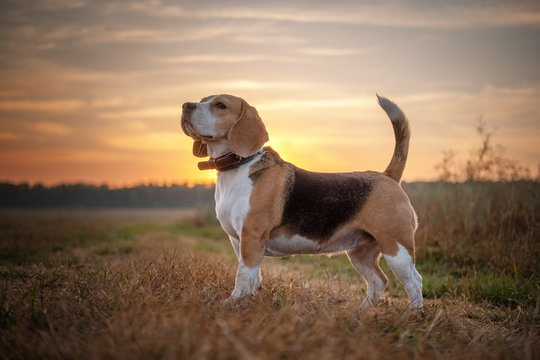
x: 365, y: 260
x: 402, y: 266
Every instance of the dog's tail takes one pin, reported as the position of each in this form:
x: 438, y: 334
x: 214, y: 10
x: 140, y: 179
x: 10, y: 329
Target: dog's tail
x: 402, y: 134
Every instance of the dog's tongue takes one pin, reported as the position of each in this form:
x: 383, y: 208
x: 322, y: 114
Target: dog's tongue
x: 199, y: 149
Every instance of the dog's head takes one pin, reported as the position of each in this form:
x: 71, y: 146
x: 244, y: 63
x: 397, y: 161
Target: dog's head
x: 221, y: 118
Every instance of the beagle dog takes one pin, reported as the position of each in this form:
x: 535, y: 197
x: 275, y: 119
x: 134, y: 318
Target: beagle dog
x: 270, y: 207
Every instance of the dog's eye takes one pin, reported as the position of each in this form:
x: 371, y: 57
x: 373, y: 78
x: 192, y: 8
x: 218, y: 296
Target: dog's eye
x: 221, y: 105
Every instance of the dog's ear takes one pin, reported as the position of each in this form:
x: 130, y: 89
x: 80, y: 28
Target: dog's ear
x: 200, y: 149
x: 248, y: 134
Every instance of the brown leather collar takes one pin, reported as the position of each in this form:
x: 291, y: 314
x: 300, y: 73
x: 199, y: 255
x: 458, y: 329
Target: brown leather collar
x: 226, y: 162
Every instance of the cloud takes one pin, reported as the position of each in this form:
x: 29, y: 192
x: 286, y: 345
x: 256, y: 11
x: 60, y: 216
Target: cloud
x: 224, y: 58
x: 8, y: 136
x: 155, y: 141
x: 61, y: 4
x: 245, y: 84
x: 250, y: 38
x: 50, y: 128
x: 146, y: 112
x: 64, y: 105
x: 150, y: 35
x: 50, y: 35
x: 62, y: 155
x: 337, y: 51
x: 435, y: 96
x: 427, y: 14
x: 319, y: 103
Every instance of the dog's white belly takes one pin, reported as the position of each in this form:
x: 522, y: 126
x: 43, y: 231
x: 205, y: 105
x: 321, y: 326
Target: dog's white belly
x: 281, y: 246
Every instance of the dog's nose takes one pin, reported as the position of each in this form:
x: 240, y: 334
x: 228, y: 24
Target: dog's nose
x: 189, y: 106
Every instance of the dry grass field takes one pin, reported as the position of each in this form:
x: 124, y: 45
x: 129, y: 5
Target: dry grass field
x: 79, y: 284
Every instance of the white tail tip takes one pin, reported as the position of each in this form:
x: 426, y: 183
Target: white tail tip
x: 391, y: 109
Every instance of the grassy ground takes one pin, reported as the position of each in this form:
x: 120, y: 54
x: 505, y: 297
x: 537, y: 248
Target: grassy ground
x: 134, y: 284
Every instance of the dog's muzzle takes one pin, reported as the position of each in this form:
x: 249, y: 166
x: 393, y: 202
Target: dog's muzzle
x: 185, y: 121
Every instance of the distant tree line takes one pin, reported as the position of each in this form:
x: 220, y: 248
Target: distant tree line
x: 91, y: 196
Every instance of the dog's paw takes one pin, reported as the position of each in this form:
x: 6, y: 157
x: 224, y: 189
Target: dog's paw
x: 366, y: 305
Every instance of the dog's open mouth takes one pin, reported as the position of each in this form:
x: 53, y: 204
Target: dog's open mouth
x: 206, y: 137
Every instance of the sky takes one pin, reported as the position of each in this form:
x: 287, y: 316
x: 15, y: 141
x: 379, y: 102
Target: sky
x: 91, y: 91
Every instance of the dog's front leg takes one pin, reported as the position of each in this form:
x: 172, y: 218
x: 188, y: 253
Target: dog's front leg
x: 248, y: 277
x: 248, y: 280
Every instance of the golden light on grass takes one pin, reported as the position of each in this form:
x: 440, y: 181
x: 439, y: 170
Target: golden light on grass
x: 129, y: 284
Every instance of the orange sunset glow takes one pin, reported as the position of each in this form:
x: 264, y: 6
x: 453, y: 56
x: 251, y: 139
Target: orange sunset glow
x: 91, y: 91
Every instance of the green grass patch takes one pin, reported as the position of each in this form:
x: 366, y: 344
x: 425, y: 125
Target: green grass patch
x: 116, y: 249
x: 132, y: 230
x: 439, y: 278
x: 208, y: 247
x: 318, y: 266
x: 214, y: 232
x: 442, y: 279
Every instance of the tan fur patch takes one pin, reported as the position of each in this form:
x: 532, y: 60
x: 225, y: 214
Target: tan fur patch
x: 229, y: 116
x: 248, y: 134
x: 402, y: 134
x: 388, y: 216
x: 266, y: 206
x: 367, y: 256
x: 239, y: 122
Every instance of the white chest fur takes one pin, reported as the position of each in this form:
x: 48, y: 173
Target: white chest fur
x: 233, y: 190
